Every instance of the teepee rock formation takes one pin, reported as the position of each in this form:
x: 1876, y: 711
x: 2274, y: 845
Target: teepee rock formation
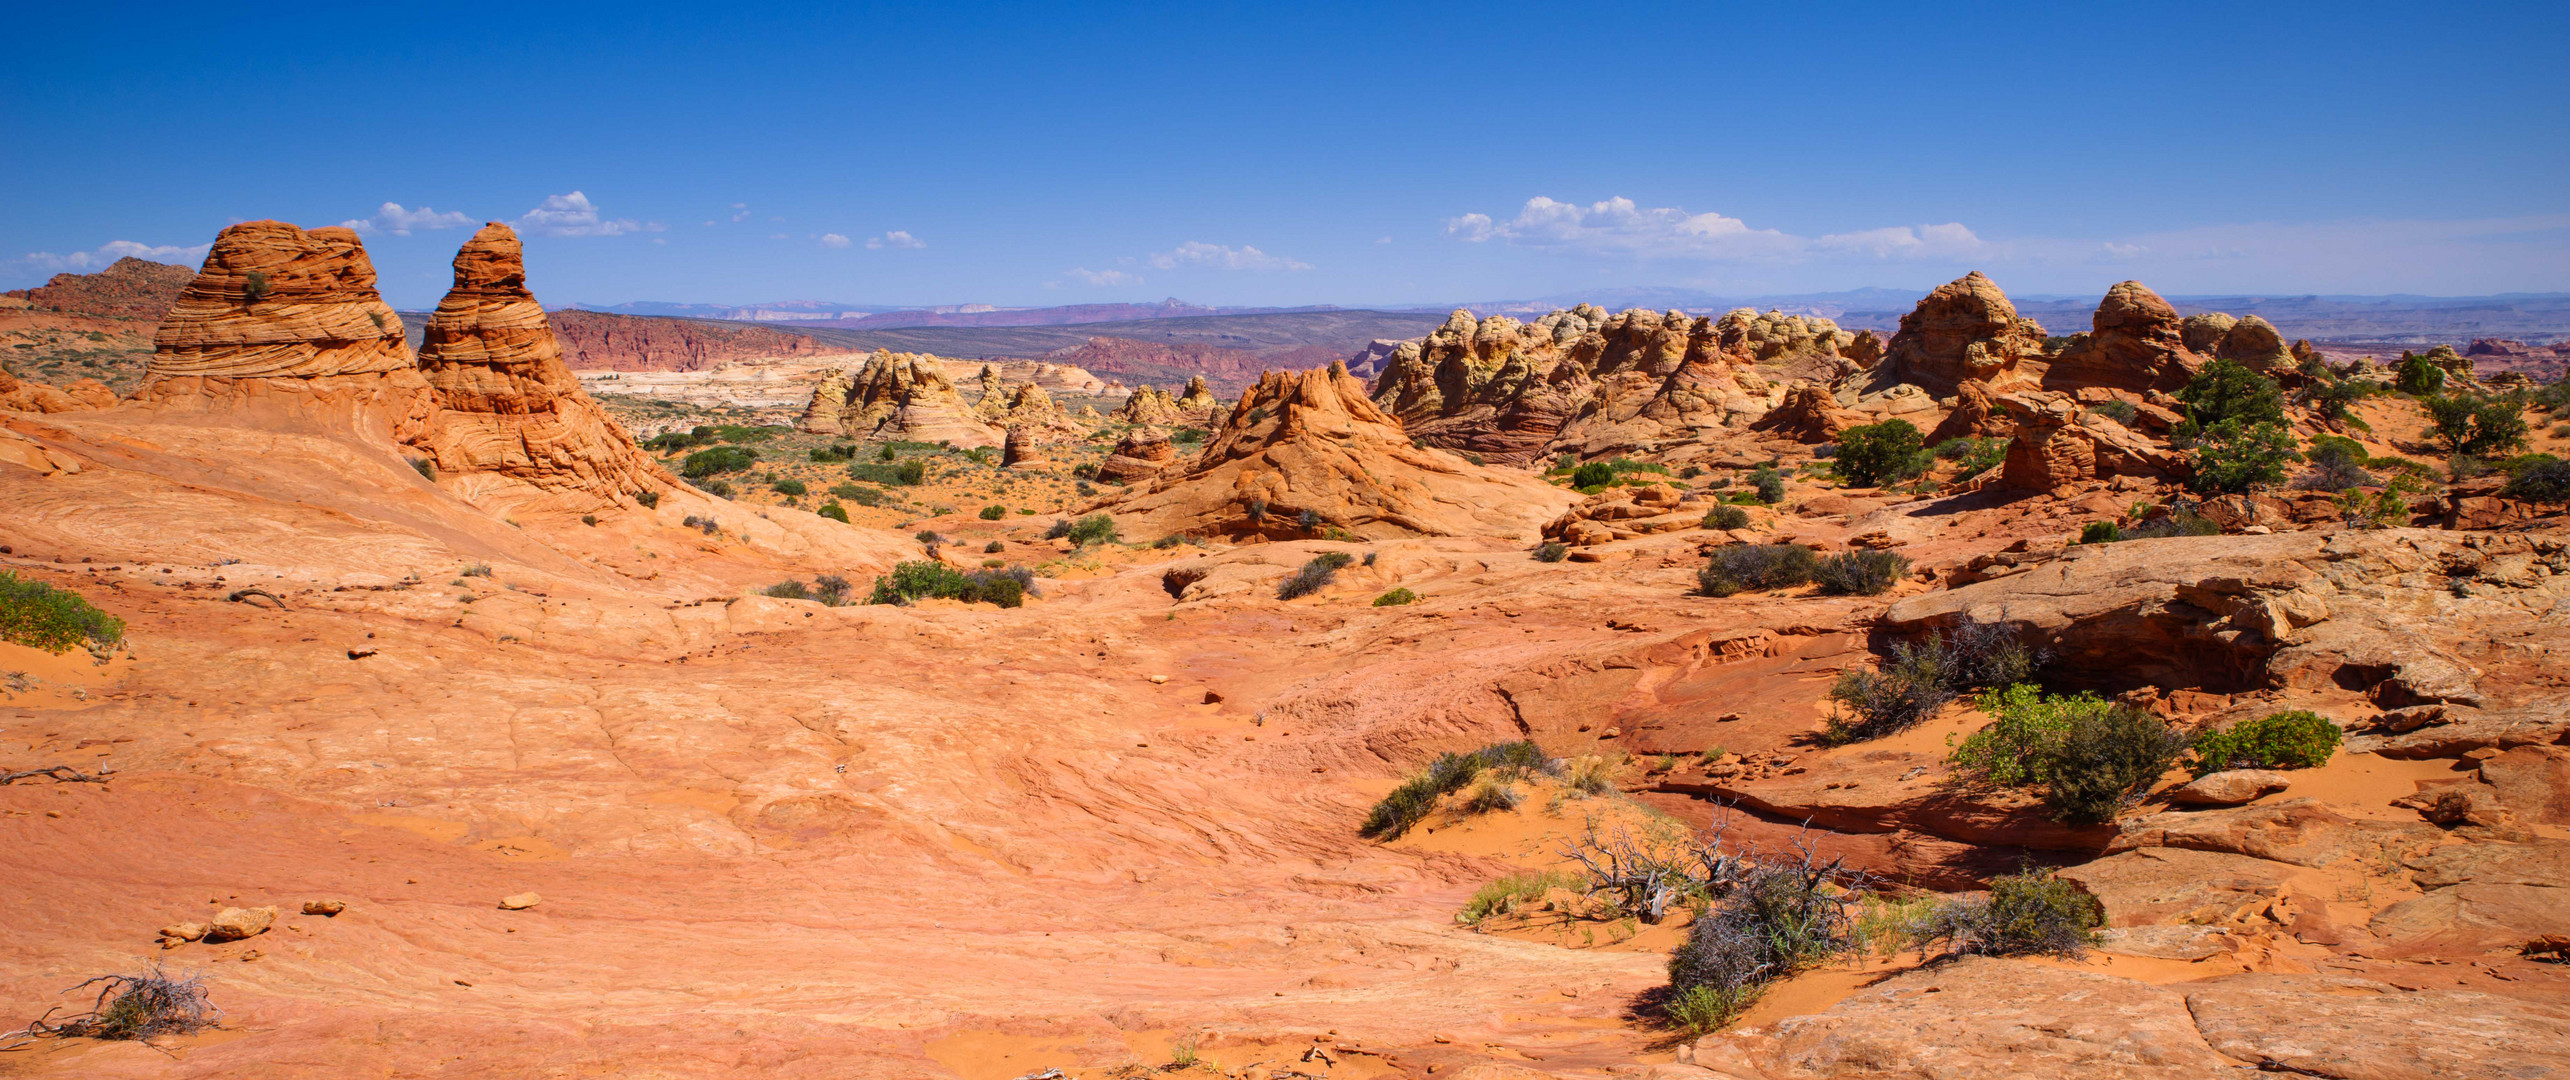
x: 1149, y: 404
x: 894, y: 395
x: 1310, y: 444
x: 279, y: 310
x: 512, y: 419
x: 1198, y: 403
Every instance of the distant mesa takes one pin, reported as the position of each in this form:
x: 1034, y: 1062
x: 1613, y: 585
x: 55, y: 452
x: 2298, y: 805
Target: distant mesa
x: 512, y: 421
x: 1307, y: 454
x: 130, y: 288
x: 597, y: 341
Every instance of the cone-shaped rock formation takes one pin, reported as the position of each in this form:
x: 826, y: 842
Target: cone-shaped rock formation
x: 1966, y: 329
x: 275, y: 301
x: 1311, y: 441
x: 2136, y: 342
x: 512, y: 419
x: 1149, y: 404
x: 896, y: 396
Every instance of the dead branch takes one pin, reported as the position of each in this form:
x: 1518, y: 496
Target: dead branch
x: 60, y: 774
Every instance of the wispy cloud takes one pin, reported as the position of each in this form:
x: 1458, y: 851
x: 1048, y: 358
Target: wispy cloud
x: 1216, y: 256
x: 1620, y: 226
x: 392, y: 218
x: 1105, y: 277
x: 895, y: 239
x: 575, y: 215
x: 107, y: 254
x: 834, y: 240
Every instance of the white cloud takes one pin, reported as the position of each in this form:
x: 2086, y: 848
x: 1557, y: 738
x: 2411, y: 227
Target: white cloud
x: 1903, y: 241
x: 575, y: 215
x: 834, y: 240
x: 895, y: 239
x: 391, y: 218
x: 1197, y: 253
x: 109, y: 252
x: 1105, y: 277
x: 1620, y: 226
x: 740, y: 212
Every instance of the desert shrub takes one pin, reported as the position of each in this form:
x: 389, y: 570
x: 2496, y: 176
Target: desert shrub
x: 2477, y: 426
x: 1973, y: 455
x: 2100, y: 532
x: 2540, y: 482
x: 2337, y: 463
x: 994, y: 513
x: 1552, y: 551
x: 1752, y: 567
x: 1396, y: 598
x: 426, y: 469
x: 828, y: 455
x: 1492, y: 795
x: 38, y: 615
x: 1860, y: 573
x: 911, y: 473
x: 1920, y: 677
x: 1513, y: 891
x: 860, y: 494
x: 2234, y: 456
x: 1588, y: 775
x: 994, y: 547
x: 1595, y: 474
x: 2028, y: 913
x: 484, y: 569
x: 2332, y: 397
x: 1416, y: 798
x: 831, y: 589
x: 2104, y: 760
x: 1093, y: 529
x: 2418, y: 375
x: 2225, y: 391
x: 716, y: 488
x: 2118, y: 410
x: 589, y: 519
x: 2014, y: 749
x: 928, y: 536
x: 136, y: 1007
x: 1726, y: 517
x: 1187, y: 436
x: 650, y: 500
x: 1308, y: 519
x: 1876, y: 454
x: 922, y: 579
x: 790, y: 486
x: 2296, y: 739
x: 1772, y: 921
x: 1769, y: 484
x: 1314, y: 575
x: 717, y: 460
x: 789, y: 590
x: 834, y: 512
x: 2179, y: 521
x: 886, y: 453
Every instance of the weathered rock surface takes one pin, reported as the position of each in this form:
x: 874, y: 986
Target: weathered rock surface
x: 1985, y: 1018
x: 1198, y: 404
x: 1021, y: 451
x: 2303, y: 832
x: 2257, y: 343
x: 1622, y: 513
x: 600, y: 341
x: 2230, y: 787
x: 1965, y: 330
x: 275, y: 301
x: 1149, y: 404
x: 1809, y: 414
x: 1311, y: 440
x: 2357, y: 1029
x: 2136, y: 342
x: 896, y: 396
x: 1140, y: 455
x: 22, y: 396
x: 512, y: 421
x: 2203, y: 333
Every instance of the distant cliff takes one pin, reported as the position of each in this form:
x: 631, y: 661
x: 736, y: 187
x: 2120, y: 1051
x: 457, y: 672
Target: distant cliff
x: 595, y: 341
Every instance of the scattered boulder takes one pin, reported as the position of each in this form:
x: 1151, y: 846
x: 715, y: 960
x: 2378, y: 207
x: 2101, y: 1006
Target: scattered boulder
x: 520, y: 901
x: 328, y: 909
x: 176, y: 933
x: 1140, y: 455
x: 234, y: 924
x: 1311, y: 441
x: 512, y: 420
x: 2230, y: 787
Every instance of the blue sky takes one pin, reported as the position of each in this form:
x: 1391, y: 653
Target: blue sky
x: 1290, y: 154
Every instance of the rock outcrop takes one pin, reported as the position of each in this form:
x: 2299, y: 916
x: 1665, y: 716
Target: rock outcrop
x: 2257, y: 343
x: 2058, y: 442
x: 1021, y: 451
x: 21, y: 396
x: 599, y: 341
x: 1148, y: 404
x: 1965, y: 330
x: 1311, y: 443
x: 2136, y: 342
x: 130, y: 288
x: 1809, y: 414
x: 512, y: 420
x: 896, y: 396
x: 1198, y: 404
x: 1583, y: 380
x: 1140, y: 455
x: 2204, y: 333
x: 1975, y: 415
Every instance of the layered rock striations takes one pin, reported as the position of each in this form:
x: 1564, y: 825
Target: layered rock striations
x: 896, y: 396
x: 512, y: 419
x: 1303, y: 452
x: 1140, y: 455
x: 2136, y: 342
x: 1965, y: 330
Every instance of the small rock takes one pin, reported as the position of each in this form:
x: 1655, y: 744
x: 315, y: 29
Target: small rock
x: 360, y: 654
x: 233, y: 924
x: 2230, y: 787
x: 520, y: 901
x: 251, y: 955
x: 327, y: 908
x: 186, y: 931
x: 1159, y: 679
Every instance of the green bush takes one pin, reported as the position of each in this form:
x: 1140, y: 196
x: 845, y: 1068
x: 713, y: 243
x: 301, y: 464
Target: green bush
x: 1860, y: 573
x: 2477, y: 426
x: 2104, y: 760
x: 2100, y: 532
x: 2297, y: 739
x: 1552, y: 551
x: 1314, y: 575
x: 1396, y: 598
x: 1973, y: 455
x: 834, y: 512
x: 2540, y: 482
x: 2025, y: 914
x: 426, y: 469
x: 921, y: 580
x: 1726, y: 517
x: 1754, y: 567
x: 789, y: 590
x: 832, y: 454
x: 831, y: 589
x: 2118, y: 410
x: 860, y: 494
x: 1769, y: 484
x: 2233, y: 456
x: 994, y: 513
x: 2225, y: 391
x: 1774, y: 921
x: 38, y: 615
x: 720, y: 459
x: 1416, y: 798
x: 1093, y: 529
x: 2419, y: 375
x: 2015, y: 748
x: 790, y: 486
x: 1595, y: 474
x: 1876, y: 454
x: 911, y: 473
